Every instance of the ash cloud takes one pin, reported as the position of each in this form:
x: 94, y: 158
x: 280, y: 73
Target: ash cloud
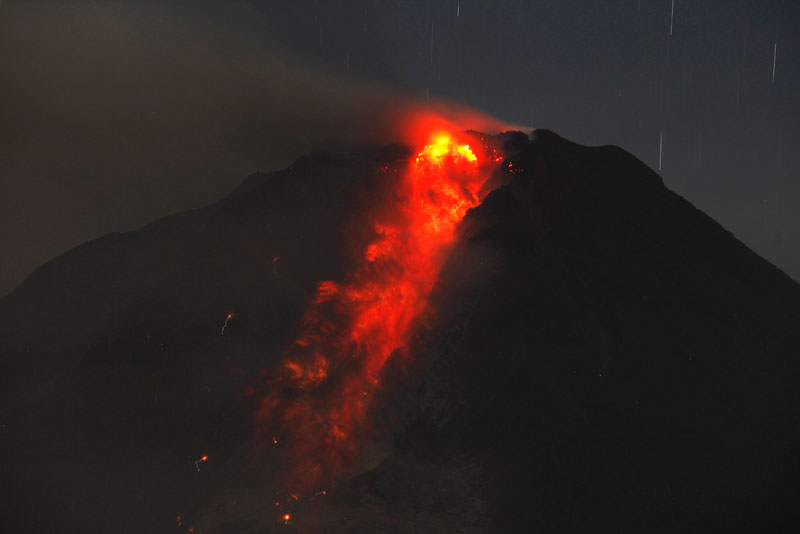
x: 115, y: 114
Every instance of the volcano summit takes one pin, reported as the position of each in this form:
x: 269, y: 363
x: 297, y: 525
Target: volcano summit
x: 478, y: 334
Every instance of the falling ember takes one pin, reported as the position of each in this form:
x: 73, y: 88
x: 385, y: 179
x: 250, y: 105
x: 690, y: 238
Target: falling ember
x: 335, y: 363
x: 318, y: 494
x: 200, y: 461
x: 225, y: 324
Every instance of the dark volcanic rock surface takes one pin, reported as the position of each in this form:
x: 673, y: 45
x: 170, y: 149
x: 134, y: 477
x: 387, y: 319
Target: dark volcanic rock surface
x: 603, y: 357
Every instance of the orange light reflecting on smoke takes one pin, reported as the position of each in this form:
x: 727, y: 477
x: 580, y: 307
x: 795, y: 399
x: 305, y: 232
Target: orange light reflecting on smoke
x: 334, y: 363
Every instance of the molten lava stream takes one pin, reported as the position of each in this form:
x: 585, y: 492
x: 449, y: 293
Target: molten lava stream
x: 321, y: 397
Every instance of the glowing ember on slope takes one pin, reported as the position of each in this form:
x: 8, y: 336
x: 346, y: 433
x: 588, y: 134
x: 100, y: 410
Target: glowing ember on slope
x: 225, y: 324
x: 352, y: 327
x: 197, y: 463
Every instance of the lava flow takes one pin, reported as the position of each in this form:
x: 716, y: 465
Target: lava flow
x: 352, y: 327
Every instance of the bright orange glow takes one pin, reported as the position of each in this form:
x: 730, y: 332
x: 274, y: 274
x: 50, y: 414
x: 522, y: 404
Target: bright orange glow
x: 352, y: 327
x: 443, y: 147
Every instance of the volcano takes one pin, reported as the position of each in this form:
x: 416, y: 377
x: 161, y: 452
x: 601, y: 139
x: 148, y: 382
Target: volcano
x: 483, y: 333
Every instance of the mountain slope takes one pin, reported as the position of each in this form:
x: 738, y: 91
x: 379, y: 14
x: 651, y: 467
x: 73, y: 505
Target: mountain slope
x: 653, y: 354
x: 603, y: 356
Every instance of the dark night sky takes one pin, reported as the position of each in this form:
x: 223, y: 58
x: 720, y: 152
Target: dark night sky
x: 115, y: 113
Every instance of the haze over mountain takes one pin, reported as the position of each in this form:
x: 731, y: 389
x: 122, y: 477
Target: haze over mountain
x: 599, y: 356
x: 117, y: 113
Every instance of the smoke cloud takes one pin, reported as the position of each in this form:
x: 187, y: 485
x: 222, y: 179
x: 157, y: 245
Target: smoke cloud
x: 113, y: 115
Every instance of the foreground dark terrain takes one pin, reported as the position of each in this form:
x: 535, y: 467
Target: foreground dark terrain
x: 602, y: 357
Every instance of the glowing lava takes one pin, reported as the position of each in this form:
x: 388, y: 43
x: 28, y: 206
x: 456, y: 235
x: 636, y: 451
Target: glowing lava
x: 352, y: 327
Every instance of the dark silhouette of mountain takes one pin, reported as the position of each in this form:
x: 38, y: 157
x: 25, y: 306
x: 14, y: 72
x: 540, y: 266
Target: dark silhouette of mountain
x: 603, y: 357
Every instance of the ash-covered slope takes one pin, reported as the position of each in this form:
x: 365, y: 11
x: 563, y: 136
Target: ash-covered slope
x: 623, y: 362
x: 116, y: 375
x: 604, y: 357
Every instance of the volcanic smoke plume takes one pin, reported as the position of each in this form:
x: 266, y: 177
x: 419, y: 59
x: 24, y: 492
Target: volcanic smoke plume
x: 353, y: 326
